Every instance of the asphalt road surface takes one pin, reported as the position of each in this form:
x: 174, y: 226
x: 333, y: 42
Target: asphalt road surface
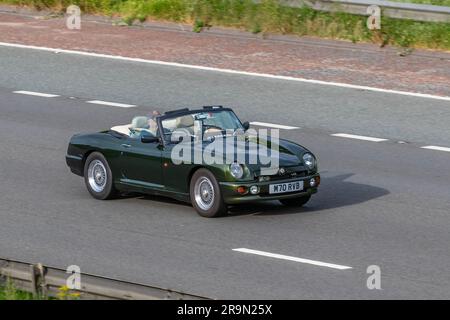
x: 381, y: 203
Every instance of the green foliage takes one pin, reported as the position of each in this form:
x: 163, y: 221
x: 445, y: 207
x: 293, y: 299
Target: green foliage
x: 198, y: 26
x: 267, y: 16
x: 10, y: 292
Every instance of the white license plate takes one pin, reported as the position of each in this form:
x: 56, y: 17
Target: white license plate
x: 286, y: 187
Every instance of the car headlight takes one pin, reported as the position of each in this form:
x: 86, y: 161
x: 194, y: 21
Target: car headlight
x: 309, y: 161
x: 236, y: 170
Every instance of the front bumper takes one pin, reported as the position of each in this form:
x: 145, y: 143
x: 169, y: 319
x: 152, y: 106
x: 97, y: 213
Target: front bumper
x: 232, y: 196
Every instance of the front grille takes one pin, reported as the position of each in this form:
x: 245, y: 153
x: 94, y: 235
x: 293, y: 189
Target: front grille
x: 287, y: 175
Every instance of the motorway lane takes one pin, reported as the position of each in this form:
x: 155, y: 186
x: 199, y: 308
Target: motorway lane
x: 327, y: 108
x: 380, y: 203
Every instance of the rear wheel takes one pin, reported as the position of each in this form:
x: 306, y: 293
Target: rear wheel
x: 98, y: 177
x: 205, y: 194
x: 295, y: 202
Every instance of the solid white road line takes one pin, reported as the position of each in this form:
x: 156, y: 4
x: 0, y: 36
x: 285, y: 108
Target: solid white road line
x: 273, y: 125
x: 254, y: 74
x: 112, y: 104
x: 352, y: 136
x: 436, y: 148
x: 301, y: 260
x: 37, y: 94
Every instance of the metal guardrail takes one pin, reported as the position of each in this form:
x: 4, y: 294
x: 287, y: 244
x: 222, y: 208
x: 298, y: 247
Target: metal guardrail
x: 401, y: 10
x: 47, y: 281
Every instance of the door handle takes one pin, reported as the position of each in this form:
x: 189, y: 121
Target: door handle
x: 125, y: 145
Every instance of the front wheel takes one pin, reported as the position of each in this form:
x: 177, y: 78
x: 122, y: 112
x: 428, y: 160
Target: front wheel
x: 295, y: 202
x: 98, y: 177
x: 205, y: 194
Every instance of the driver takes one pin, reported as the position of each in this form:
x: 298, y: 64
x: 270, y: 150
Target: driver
x: 152, y: 124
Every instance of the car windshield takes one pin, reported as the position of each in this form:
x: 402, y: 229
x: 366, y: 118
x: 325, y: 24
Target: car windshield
x: 208, y: 123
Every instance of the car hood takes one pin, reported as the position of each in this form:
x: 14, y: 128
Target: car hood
x: 289, y: 153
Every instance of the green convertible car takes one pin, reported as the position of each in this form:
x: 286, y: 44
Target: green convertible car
x: 205, y: 156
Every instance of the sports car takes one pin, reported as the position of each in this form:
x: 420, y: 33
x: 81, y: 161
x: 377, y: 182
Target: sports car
x: 184, y: 154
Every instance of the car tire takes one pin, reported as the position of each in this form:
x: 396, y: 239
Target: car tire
x: 206, y: 196
x: 295, y: 202
x: 98, y: 177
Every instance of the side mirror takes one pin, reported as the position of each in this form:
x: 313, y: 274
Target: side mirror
x: 246, y: 125
x: 147, y: 138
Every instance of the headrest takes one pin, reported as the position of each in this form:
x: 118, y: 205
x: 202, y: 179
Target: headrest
x: 139, y: 122
x: 185, y: 121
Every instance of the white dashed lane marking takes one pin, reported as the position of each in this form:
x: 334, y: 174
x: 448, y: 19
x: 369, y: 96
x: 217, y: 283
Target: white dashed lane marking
x: 352, y: 136
x: 437, y: 148
x: 112, y: 104
x: 255, y: 123
x: 273, y: 125
x: 290, y: 258
x: 37, y: 94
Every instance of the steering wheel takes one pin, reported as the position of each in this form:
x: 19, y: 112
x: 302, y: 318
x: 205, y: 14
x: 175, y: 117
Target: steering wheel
x: 211, y: 126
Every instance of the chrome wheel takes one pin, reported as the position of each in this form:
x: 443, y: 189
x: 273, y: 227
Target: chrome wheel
x: 204, y: 193
x: 97, y: 176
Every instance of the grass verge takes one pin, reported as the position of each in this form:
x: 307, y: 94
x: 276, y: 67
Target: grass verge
x: 9, y: 292
x: 267, y: 17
